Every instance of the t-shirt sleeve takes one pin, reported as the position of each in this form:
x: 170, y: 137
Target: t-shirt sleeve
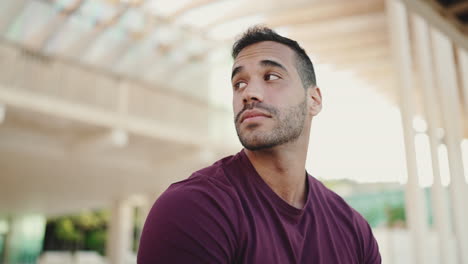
x: 369, y: 246
x: 189, y: 223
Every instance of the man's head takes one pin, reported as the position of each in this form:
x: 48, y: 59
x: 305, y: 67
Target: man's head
x: 259, y: 34
x: 274, y: 89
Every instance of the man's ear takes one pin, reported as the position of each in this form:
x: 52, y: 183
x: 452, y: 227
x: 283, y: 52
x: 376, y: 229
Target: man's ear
x: 315, y: 100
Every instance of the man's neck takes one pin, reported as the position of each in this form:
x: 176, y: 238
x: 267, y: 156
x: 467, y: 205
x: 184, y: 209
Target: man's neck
x: 283, y: 169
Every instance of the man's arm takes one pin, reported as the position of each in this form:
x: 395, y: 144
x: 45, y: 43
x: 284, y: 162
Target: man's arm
x: 189, y: 224
x: 369, y: 246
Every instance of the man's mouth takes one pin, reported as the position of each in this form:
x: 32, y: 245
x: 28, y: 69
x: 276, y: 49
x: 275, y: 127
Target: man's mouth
x: 253, y: 115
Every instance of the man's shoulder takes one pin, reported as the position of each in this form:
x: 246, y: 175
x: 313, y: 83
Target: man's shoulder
x: 350, y: 221
x: 214, y: 174
x: 216, y: 171
x: 337, y: 203
x: 209, y: 184
x: 195, y: 219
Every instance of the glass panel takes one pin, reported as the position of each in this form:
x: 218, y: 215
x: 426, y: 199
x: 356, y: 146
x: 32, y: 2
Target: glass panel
x: 35, y: 15
x: 97, y: 10
x: 133, y: 20
x: 205, y: 15
x: 165, y: 7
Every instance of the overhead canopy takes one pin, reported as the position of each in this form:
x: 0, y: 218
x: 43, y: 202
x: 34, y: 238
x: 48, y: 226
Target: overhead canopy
x: 107, y: 98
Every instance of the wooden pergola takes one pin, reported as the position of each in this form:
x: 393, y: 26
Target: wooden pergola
x: 101, y: 100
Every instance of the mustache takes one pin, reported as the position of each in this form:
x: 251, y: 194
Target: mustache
x: 258, y: 105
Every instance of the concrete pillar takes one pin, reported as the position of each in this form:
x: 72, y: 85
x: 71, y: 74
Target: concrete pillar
x: 144, y: 207
x: 463, y: 73
x: 7, y: 243
x: 24, y: 237
x: 2, y: 113
x: 432, y: 109
x: 120, y: 232
x: 449, y: 97
x: 415, y: 207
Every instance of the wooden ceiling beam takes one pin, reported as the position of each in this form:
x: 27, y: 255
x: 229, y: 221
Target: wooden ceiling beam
x: 317, y: 10
x: 347, y: 26
x: 367, y: 67
x: 358, y: 56
x: 458, y: 8
x: 330, y: 37
x: 324, y: 11
x: 376, y: 75
x: 433, y: 13
x: 346, y: 45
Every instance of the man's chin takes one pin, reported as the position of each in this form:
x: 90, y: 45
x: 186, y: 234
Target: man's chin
x: 256, y: 146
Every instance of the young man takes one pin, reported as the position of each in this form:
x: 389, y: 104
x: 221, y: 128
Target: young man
x: 261, y: 206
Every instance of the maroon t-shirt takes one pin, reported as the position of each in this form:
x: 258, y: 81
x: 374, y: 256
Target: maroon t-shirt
x: 226, y: 213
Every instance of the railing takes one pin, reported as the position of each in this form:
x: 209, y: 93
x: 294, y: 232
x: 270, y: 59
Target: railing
x: 144, y: 109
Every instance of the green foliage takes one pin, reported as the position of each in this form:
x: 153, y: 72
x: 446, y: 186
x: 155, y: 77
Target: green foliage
x: 380, y: 208
x: 85, y: 231
x: 90, y: 220
x: 372, y: 214
x: 96, y: 240
x: 396, y: 216
x: 66, y: 230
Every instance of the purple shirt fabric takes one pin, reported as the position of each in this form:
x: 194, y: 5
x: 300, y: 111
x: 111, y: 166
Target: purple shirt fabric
x: 226, y: 213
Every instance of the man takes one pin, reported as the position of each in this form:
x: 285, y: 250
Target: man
x: 261, y: 206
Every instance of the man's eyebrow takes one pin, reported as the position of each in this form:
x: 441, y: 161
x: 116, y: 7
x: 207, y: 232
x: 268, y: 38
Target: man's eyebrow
x: 236, y: 71
x: 264, y: 63
x: 272, y: 64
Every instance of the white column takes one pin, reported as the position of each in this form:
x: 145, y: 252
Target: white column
x: 463, y: 70
x: 432, y: 109
x: 119, y: 239
x: 28, y: 228
x: 449, y: 98
x: 463, y: 73
x: 2, y: 113
x: 144, y: 206
x: 7, y: 244
x: 415, y: 209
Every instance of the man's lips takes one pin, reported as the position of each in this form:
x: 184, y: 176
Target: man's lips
x: 253, y: 113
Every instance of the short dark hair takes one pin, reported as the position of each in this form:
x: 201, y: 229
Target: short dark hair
x: 257, y: 34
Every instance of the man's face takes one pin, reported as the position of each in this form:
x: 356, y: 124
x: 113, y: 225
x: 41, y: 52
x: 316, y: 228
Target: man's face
x: 269, y: 101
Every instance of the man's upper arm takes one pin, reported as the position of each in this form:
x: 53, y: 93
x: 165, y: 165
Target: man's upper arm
x: 369, y: 244
x: 189, y: 224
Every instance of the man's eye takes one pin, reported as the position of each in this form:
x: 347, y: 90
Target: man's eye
x: 240, y: 85
x: 271, y: 77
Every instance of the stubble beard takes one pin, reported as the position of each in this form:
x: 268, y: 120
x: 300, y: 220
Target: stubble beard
x: 289, y: 126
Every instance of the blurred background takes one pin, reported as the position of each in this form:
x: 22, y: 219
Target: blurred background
x: 104, y: 103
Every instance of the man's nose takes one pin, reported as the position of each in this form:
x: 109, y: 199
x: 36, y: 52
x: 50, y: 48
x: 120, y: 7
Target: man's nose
x: 253, y: 92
